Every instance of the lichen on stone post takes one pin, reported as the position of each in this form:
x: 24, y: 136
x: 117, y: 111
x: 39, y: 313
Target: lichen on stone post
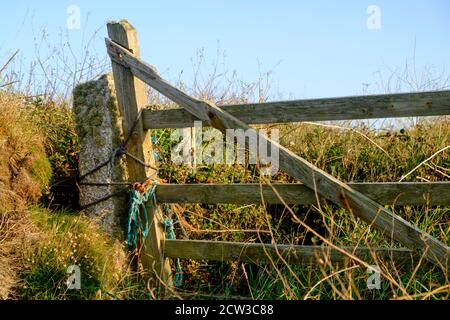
x: 98, y: 125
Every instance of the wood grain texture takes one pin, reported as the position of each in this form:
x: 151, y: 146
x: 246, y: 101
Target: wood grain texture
x: 358, y: 204
x: 435, y: 194
x: 432, y: 103
x: 264, y: 253
x: 131, y: 96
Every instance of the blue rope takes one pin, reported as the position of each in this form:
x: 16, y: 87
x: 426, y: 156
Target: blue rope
x: 137, y: 226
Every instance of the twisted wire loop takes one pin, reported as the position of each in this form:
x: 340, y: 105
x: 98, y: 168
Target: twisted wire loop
x: 120, y: 151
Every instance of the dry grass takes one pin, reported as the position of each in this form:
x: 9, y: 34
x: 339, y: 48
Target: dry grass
x: 24, y: 172
x: 36, y: 245
x: 15, y: 225
x: 24, y: 168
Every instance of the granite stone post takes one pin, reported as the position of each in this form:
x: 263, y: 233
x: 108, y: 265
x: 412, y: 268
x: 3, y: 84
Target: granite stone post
x: 99, y: 129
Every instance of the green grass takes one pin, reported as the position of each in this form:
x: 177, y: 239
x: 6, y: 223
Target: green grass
x: 67, y: 239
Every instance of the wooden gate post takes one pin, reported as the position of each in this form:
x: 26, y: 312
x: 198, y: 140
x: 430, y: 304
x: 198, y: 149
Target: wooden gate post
x: 131, y: 98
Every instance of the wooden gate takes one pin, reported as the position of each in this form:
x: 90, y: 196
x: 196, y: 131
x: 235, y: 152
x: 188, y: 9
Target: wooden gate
x: 364, y: 200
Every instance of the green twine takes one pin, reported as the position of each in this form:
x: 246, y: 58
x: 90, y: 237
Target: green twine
x: 137, y: 225
x: 170, y: 234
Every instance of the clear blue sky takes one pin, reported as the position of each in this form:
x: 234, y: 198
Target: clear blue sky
x: 315, y: 48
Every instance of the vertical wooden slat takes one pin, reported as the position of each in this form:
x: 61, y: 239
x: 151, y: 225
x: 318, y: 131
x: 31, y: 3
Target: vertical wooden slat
x: 131, y: 96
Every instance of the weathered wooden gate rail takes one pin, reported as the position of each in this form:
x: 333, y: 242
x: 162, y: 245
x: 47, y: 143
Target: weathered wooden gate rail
x: 124, y: 52
x: 267, y: 253
x: 433, y: 103
x: 405, y: 193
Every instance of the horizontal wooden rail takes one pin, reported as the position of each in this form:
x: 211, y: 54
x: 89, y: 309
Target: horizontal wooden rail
x: 405, y: 193
x: 257, y: 252
x: 432, y: 103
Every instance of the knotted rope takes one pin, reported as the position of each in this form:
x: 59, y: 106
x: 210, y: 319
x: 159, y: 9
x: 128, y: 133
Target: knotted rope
x: 137, y: 212
x: 138, y: 224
